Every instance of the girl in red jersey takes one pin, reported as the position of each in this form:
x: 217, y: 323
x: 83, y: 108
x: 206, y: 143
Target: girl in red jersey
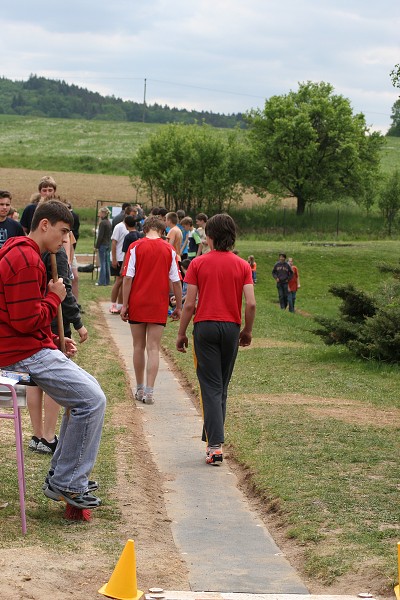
x: 218, y: 279
x: 150, y: 265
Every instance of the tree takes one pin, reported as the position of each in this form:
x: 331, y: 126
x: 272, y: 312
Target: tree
x: 192, y: 167
x: 310, y: 144
x: 389, y: 200
x: 395, y: 116
x: 395, y: 76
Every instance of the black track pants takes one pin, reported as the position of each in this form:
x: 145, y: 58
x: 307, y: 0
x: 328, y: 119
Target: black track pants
x: 216, y: 345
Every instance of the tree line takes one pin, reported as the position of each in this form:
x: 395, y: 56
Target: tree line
x: 307, y: 144
x: 42, y: 97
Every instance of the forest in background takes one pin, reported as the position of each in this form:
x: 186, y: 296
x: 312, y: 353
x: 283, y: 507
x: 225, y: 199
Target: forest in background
x: 42, y: 97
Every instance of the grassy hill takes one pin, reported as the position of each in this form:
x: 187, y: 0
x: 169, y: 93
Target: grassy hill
x: 93, y: 146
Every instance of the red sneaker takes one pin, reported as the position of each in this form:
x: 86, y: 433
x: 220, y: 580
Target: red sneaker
x: 214, y: 454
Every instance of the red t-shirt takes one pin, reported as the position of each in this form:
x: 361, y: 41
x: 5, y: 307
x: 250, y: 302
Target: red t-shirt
x: 220, y: 277
x: 294, y: 282
x: 151, y: 263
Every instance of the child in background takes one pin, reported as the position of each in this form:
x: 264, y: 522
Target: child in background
x: 253, y: 266
x: 194, y: 241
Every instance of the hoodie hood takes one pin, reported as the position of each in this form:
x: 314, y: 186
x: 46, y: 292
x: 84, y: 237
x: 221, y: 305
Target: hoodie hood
x: 18, y: 241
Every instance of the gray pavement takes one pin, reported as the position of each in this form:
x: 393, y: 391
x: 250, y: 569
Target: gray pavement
x: 226, y: 546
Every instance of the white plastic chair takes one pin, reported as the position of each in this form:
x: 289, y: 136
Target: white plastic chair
x: 13, y: 396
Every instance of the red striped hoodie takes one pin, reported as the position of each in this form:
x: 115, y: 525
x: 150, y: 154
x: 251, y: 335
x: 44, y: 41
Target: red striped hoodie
x: 26, y: 308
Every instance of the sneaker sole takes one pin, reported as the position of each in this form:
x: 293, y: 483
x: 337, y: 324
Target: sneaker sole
x: 42, y: 449
x: 60, y: 496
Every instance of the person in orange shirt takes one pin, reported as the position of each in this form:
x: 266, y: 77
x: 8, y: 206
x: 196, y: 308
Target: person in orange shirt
x: 293, y: 286
x: 253, y: 266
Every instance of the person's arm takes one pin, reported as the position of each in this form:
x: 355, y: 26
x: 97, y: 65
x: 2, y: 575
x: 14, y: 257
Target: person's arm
x: 114, y: 261
x: 126, y: 290
x: 177, y: 287
x: 186, y: 317
x: 249, y: 315
x: 275, y: 273
x: 298, y: 279
x: 100, y: 234
x: 198, y: 241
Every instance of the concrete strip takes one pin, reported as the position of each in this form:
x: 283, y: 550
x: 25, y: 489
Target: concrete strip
x: 225, y: 545
x: 170, y: 595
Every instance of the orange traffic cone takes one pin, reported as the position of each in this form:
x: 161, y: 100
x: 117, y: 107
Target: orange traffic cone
x: 397, y: 587
x: 123, y: 584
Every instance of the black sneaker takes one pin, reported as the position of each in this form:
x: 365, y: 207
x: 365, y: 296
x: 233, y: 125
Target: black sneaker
x: 85, y: 500
x: 45, y: 447
x: 33, y: 443
x: 92, y: 485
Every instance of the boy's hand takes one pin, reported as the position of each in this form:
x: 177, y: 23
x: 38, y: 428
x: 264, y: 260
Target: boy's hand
x: 244, y: 338
x: 124, y: 313
x: 58, y: 288
x: 70, y: 347
x: 83, y: 334
x: 182, y: 343
x: 176, y: 315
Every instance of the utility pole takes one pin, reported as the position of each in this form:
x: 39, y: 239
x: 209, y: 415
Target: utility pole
x: 144, y: 101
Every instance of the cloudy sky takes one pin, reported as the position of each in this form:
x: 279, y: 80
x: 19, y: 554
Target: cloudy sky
x: 219, y: 55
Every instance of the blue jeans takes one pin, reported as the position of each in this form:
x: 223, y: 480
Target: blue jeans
x: 104, y: 258
x: 291, y: 300
x: 80, y: 432
x: 283, y: 294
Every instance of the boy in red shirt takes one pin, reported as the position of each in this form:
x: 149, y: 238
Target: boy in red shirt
x: 219, y: 279
x: 28, y: 304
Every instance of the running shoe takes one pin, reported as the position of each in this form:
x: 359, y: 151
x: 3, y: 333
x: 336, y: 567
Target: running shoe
x: 214, y: 454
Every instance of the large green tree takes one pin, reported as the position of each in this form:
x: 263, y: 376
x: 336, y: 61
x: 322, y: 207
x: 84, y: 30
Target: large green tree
x: 192, y: 167
x: 310, y: 144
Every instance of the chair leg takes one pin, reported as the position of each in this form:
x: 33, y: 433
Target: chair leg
x: 20, y: 468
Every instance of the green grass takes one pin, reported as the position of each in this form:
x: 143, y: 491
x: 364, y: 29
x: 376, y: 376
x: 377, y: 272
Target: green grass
x: 310, y: 423
x: 93, y: 146
x: 316, y: 428
x: 71, y: 145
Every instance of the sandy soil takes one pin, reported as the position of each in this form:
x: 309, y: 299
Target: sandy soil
x: 83, y: 190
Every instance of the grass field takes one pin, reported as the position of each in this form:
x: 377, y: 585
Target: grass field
x: 93, y: 146
x: 317, y: 429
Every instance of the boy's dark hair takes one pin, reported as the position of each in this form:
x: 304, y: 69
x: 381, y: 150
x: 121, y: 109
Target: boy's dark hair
x: 162, y: 211
x: 202, y: 217
x: 125, y: 205
x: 5, y: 194
x: 130, y: 221
x: 155, y: 211
x: 185, y: 263
x: 187, y: 221
x: 154, y: 222
x: 53, y: 210
x: 173, y: 217
x: 222, y: 230
x: 181, y: 213
x: 282, y: 254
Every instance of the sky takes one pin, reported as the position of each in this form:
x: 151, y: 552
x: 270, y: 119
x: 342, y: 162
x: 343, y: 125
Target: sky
x: 224, y: 56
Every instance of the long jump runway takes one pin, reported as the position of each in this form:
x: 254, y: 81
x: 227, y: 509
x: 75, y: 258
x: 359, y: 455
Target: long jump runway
x: 225, y: 545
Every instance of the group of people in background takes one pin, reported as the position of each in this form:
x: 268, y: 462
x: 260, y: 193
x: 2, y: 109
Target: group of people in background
x: 286, y: 275
x: 165, y: 266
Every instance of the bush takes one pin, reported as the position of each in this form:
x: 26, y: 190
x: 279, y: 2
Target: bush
x: 367, y: 326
